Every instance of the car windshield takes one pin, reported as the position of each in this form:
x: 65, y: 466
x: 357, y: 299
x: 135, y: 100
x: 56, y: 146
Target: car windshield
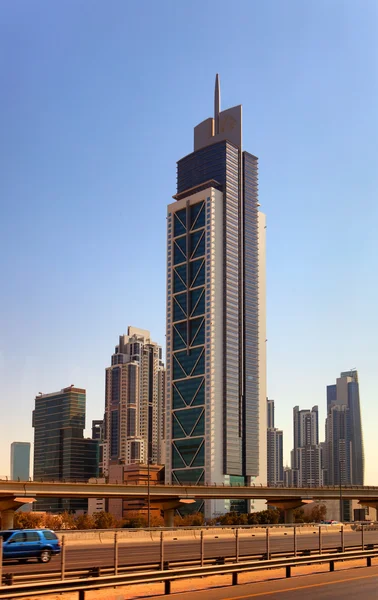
x: 5, y: 534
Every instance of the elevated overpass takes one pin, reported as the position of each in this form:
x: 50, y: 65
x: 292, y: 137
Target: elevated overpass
x: 15, y: 493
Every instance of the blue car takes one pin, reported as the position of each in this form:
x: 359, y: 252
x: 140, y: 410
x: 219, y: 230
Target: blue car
x: 21, y: 544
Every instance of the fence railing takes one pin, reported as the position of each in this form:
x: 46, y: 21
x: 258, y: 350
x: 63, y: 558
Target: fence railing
x: 168, y: 576
x: 234, y: 553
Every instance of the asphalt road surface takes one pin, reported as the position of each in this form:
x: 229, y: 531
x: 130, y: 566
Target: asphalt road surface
x: 135, y: 553
x: 344, y: 585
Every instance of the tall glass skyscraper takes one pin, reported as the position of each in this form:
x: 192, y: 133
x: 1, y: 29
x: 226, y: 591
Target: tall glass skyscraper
x: 344, y: 440
x: 61, y: 453
x: 275, y: 475
x: 216, y: 358
x: 20, y: 461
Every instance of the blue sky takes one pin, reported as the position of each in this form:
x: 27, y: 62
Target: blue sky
x: 98, y: 102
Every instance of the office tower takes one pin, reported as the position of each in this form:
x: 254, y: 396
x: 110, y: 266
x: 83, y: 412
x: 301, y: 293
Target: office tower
x: 98, y: 435
x: 270, y: 413
x: 306, y: 456
x: 97, y: 429
x: 61, y: 453
x: 344, y: 441
x: 288, y: 477
x: 20, y: 466
x: 134, y: 401
x: 20, y: 461
x: 216, y: 356
x: 275, y: 448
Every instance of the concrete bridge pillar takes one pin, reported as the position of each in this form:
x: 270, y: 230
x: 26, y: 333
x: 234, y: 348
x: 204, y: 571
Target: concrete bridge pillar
x: 289, y: 515
x: 371, y: 504
x: 7, y: 519
x: 288, y: 506
x: 7, y: 508
x: 169, y: 514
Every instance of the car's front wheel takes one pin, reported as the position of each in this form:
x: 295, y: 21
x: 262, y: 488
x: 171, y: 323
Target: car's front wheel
x: 45, y: 556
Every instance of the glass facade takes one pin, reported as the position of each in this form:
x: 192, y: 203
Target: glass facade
x: 220, y: 163
x: 20, y: 461
x: 251, y: 440
x: 188, y: 340
x: 60, y: 450
x: 344, y: 449
x: 216, y: 363
x: 355, y: 432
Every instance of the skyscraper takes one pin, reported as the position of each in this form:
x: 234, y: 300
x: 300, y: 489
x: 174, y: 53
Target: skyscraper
x: 98, y: 429
x: 216, y: 357
x: 270, y: 413
x: 344, y: 441
x: 60, y: 450
x: 134, y: 401
x: 306, y: 456
x: 275, y: 448
x: 20, y: 461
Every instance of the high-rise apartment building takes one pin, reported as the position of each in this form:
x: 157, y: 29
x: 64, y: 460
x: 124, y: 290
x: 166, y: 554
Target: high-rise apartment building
x: 216, y: 333
x: 61, y: 453
x: 134, y: 401
x: 20, y: 461
x: 275, y: 448
x: 344, y: 451
x: 306, y: 456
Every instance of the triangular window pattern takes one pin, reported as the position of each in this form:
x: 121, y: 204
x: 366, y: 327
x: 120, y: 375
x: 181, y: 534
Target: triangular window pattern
x: 178, y: 371
x: 180, y: 222
x: 197, y: 302
x: 200, y: 248
x: 191, y: 391
x: 199, y: 369
x: 179, y: 307
x: 180, y: 335
x: 188, y: 476
x: 177, y: 461
x: 199, y: 397
x: 188, y: 361
x: 178, y: 401
x: 199, y: 429
x: 188, y: 448
x: 197, y: 215
x: 197, y: 331
x: 199, y: 459
x: 179, y: 250
x: 182, y: 301
x: 197, y: 273
x: 179, y: 279
x: 195, y: 240
x: 177, y: 430
x: 188, y: 419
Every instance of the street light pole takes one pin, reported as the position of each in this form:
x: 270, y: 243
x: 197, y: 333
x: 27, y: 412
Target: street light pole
x: 341, y: 495
x: 148, y: 494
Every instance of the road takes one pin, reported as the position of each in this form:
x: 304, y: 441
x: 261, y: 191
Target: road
x: 345, y: 585
x: 137, y: 553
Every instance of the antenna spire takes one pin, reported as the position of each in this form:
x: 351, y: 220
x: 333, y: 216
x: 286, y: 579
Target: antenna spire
x: 217, y: 103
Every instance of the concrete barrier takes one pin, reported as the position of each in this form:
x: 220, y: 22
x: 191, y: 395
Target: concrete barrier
x: 73, y: 537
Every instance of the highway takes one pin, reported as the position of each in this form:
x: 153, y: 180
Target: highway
x: 82, y: 555
x: 345, y: 585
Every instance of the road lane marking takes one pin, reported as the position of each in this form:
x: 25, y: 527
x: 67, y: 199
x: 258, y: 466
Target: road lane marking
x: 302, y: 587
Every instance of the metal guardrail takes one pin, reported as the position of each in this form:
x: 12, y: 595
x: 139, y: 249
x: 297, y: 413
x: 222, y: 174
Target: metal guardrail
x: 167, y: 577
x: 115, y: 568
x: 12, y: 579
